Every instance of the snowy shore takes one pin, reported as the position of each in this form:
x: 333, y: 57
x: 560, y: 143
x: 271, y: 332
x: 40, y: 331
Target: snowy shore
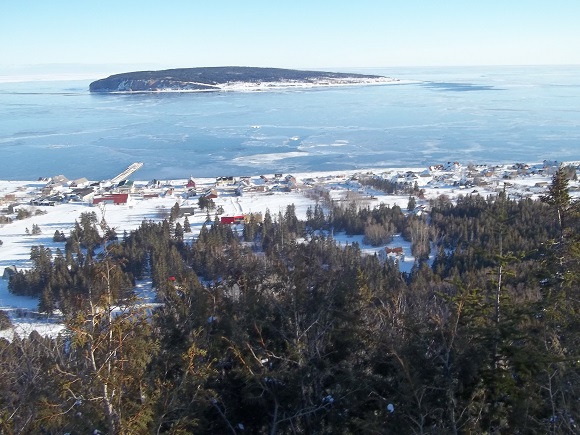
x: 269, y: 86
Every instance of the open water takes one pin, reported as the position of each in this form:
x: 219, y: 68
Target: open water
x: 480, y: 115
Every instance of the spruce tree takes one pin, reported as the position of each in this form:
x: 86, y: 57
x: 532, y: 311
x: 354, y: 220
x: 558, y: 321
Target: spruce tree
x: 559, y: 312
x: 558, y: 197
x: 174, y: 213
x: 179, y: 231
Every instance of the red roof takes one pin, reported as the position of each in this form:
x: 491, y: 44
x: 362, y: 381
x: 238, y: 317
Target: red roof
x: 115, y: 198
x: 231, y: 219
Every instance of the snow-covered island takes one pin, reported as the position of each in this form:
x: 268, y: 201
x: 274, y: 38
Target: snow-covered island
x: 231, y: 78
x: 32, y: 213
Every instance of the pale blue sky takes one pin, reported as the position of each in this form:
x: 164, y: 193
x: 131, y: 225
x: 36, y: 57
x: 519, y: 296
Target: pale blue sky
x: 293, y: 34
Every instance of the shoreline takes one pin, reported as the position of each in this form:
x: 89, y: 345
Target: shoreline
x: 268, y: 86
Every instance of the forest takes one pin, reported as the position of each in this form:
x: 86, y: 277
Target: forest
x: 272, y: 327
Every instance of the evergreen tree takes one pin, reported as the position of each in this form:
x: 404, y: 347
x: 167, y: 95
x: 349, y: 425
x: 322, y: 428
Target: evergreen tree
x: 206, y: 203
x: 309, y: 337
x: 58, y: 236
x: 5, y: 321
x: 46, y: 303
x: 186, y: 225
x: 558, y: 197
x: 174, y: 213
x: 179, y: 232
x: 559, y: 311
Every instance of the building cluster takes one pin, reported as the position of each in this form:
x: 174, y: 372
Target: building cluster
x: 59, y: 189
x: 490, y: 178
x: 119, y: 190
x: 519, y: 180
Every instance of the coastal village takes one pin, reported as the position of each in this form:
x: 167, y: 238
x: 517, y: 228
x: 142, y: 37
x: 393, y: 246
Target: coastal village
x: 128, y: 202
x: 32, y: 213
x: 452, y: 178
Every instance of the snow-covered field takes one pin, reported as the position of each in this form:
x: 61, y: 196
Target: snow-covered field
x: 17, y: 238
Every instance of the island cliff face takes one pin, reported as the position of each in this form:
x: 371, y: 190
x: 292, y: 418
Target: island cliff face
x: 225, y: 78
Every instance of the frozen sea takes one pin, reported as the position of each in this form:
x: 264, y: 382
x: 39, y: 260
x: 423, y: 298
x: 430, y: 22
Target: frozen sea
x: 467, y: 114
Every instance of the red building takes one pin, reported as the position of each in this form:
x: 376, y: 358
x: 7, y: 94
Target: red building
x: 113, y: 198
x: 232, y: 219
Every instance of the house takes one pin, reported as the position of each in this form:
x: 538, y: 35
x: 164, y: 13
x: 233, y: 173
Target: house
x: 224, y: 181
x: 452, y: 166
x: 79, y: 182
x: 419, y: 210
x: 210, y: 194
x: 84, y: 195
x: 58, y: 180
x: 126, y: 186
x: 112, y: 198
x: 232, y: 219
x: 186, y: 211
x: 397, y: 251
x: 190, y: 183
x: 9, y: 271
x: 47, y: 190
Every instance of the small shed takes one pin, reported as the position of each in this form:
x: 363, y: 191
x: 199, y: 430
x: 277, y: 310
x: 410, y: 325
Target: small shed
x: 186, y: 211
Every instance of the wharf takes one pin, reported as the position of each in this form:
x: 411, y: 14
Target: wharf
x: 127, y: 172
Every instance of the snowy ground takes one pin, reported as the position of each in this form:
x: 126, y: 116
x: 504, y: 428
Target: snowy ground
x: 17, y: 241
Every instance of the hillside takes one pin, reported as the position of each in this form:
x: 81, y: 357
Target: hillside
x: 192, y: 308
x: 222, y: 78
